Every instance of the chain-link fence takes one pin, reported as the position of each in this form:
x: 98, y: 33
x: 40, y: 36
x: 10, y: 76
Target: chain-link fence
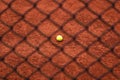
x: 90, y: 49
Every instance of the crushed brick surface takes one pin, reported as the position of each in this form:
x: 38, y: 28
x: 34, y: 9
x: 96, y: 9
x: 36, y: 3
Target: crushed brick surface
x: 90, y: 49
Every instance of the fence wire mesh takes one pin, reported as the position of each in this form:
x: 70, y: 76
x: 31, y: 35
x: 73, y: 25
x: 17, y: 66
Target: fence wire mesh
x: 90, y: 49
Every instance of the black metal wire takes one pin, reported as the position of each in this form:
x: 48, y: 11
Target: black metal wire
x: 61, y: 49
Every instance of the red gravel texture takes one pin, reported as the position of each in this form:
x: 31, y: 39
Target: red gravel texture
x: 90, y: 49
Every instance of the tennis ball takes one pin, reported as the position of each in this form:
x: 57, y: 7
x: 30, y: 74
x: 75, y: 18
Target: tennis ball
x: 59, y: 38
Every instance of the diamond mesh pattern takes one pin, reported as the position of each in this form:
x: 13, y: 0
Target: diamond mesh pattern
x: 91, y: 46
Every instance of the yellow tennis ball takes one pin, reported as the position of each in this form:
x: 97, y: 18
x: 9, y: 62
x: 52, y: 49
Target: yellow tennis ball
x: 59, y: 38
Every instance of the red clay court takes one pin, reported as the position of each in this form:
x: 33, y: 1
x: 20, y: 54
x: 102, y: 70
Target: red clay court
x: 90, y: 49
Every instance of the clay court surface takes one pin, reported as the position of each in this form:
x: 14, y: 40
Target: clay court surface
x: 90, y: 49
